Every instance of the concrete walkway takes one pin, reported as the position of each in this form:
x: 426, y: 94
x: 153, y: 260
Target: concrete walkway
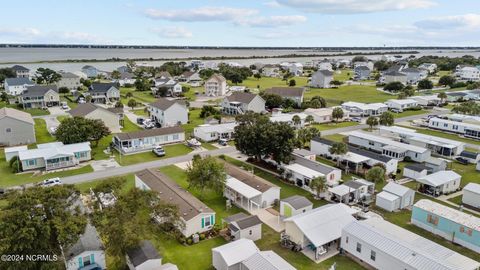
x: 445, y: 198
x: 273, y: 221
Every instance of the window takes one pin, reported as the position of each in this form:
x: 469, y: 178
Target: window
x: 373, y: 255
x: 432, y: 219
x: 32, y: 162
x: 346, y: 240
x: 86, y: 260
x: 8, y: 130
x: 175, y: 136
x: 250, y: 232
x: 371, y: 143
x: 207, y: 221
x: 359, y: 247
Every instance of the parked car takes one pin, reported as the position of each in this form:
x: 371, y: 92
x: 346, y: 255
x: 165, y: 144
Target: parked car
x: 193, y: 143
x: 81, y: 100
x: 223, y: 142
x: 140, y: 120
x: 395, y: 110
x: 2, y: 192
x: 356, y: 119
x: 159, y: 151
x: 148, y: 124
x: 51, y: 182
x: 462, y: 160
x: 65, y: 106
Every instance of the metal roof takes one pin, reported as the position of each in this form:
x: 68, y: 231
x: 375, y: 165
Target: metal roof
x: 439, y: 178
x: 396, y: 189
x: 236, y: 251
x: 144, y: 252
x: 386, y: 141
x: 446, y: 212
x: 472, y: 187
x: 266, y: 260
x: 297, y: 201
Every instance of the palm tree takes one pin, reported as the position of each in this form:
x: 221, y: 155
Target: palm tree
x: 296, y: 120
x: 318, y: 184
x: 442, y: 96
x: 338, y: 148
x: 337, y: 113
x: 309, y: 119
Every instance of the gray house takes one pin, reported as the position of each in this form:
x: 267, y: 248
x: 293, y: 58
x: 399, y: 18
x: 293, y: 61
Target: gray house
x: 321, y: 78
x: 413, y: 75
x: 69, y: 80
x: 104, y: 92
x: 21, y: 71
x: 40, y: 96
x: 293, y: 93
x: 16, y: 127
x: 90, y: 71
x: 361, y: 73
x: 241, y: 102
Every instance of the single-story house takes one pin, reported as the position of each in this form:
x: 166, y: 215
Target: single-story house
x: 384, y: 245
x: 196, y: 217
x: 429, y: 100
x: 88, y: 253
x: 401, y: 104
x: 415, y: 170
x: 53, y: 156
x: 288, y: 118
x: 324, y: 115
x: 168, y: 113
x: 318, y: 231
x: 294, y: 205
x: 16, y: 86
x: 438, y: 183
x: 143, y: 257
x: 40, y: 96
x: 293, y: 93
x: 454, y: 225
x: 111, y: 119
x: 395, y: 196
x: 17, y: 127
x: 458, y: 96
x: 467, y: 129
x: 146, y: 140
x: 471, y: 195
x: 11, y: 152
x: 364, y: 109
x: 242, y: 102
x: 249, y: 191
x: 353, y: 191
x: 304, y: 153
x: 242, y: 226
x: 104, y: 92
x: 209, y: 133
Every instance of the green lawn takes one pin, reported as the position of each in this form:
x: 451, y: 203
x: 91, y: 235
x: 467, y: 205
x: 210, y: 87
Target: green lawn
x: 209, y: 146
x: 41, y: 132
x: 269, y: 82
x: 335, y: 137
x: 129, y: 184
x: 140, y: 112
x: 128, y: 126
x: 193, y: 121
x: 358, y: 93
x: 345, y: 75
x: 172, y: 150
x: 139, y: 96
x: 410, y: 113
x: 33, y: 112
x: 457, y: 200
x: 327, y: 126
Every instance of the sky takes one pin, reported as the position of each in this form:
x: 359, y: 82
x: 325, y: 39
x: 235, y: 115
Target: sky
x: 259, y: 23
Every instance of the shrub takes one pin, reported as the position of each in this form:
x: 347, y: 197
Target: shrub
x: 16, y: 166
x: 189, y: 241
x: 202, y: 236
x: 407, y: 159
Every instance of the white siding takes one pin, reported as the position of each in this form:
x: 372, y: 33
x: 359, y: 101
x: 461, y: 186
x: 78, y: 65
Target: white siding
x: 253, y: 233
x: 471, y: 198
x: 414, y: 174
x: 99, y: 258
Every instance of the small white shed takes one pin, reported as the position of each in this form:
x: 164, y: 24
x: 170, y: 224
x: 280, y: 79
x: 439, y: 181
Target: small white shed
x: 395, y: 196
x: 229, y: 256
x: 415, y: 171
x: 294, y: 205
x: 387, y: 201
x: 242, y: 225
x: 471, y: 195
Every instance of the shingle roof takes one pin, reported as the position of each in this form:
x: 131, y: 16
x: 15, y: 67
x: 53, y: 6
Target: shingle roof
x: 19, y: 68
x: 235, y: 217
x: 362, y: 68
x: 326, y: 72
x: 18, y: 81
x: 417, y: 167
x: 38, y: 90
x: 217, y: 77
x: 146, y: 251
x: 19, y: 115
x: 248, y: 222
x: 297, y: 201
x: 394, y: 73
x: 162, y: 104
x: 170, y: 192
x: 314, y: 165
x: 88, y: 241
x: 84, y: 109
x: 102, y: 87
x: 148, y: 133
x: 242, y: 97
x: 69, y: 75
x: 247, y: 178
x: 286, y: 91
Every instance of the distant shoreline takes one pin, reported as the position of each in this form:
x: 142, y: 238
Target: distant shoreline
x: 209, y: 58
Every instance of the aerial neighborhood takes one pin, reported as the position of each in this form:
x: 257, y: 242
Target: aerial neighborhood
x: 364, y: 161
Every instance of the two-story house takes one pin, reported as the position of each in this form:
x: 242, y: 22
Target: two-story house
x: 216, y: 86
x: 40, y: 96
x: 321, y: 78
x: 104, y: 92
x: 171, y: 86
x: 241, y: 102
x: 69, y: 80
x: 16, y: 86
x: 168, y: 112
x: 21, y: 71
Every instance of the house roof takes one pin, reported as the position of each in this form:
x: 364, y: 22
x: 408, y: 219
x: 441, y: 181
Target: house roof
x: 69, y: 75
x: 144, y: 252
x: 19, y: 68
x: 454, y: 215
x: 38, y: 90
x: 187, y: 74
x: 247, y: 178
x: 126, y: 75
x: 236, y: 251
x: 428, y: 139
x: 325, y: 72
x: 297, y: 201
x: 84, y: 109
x: 386, y: 141
x: 102, y: 87
x: 411, y: 70
x: 303, y: 152
x: 396, y: 189
x: 286, y: 91
x: 162, y: 104
x: 314, y: 165
x: 439, y: 178
x: 235, y: 217
x: 323, y: 224
x: 472, y: 187
x: 387, y: 196
x: 354, y: 151
x: 16, y: 114
x: 410, y: 248
x: 267, y: 260
x: 395, y: 73
x: 88, y: 241
x: 220, y: 128
x: 148, y: 133
x: 417, y: 167
x: 217, y: 77
x: 248, y: 222
x: 164, y: 74
x: 170, y: 192
x: 18, y: 81
x: 242, y: 97
x: 402, y: 101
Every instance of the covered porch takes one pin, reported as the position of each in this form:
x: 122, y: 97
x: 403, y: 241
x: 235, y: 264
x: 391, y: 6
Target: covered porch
x: 242, y: 195
x: 322, y: 252
x: 60, y: 161
x: 343, y: 194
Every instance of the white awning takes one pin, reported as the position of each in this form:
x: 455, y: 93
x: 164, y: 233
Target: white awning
x: 341, y: 190
x: 242, y: 188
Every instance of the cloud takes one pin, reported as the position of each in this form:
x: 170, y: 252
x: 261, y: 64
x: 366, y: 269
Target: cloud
x: 461, y: 22
x: 272, y: 21
x: 34, y: 35
x: 355, y: 6
x: 172, y: 32
x: 205, y: 14
x: 20, y: 32
x: 272, y: 4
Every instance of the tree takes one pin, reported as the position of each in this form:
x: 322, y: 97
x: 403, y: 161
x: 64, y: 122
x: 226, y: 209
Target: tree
x: 272, y: 100
x: 296, y: 120
x: 142, y: 84
x: 319, y: 185
x: 292, y: 82
x: 338, y: 148
x: 402, y: 95
x: 408, y: 91
x: 208, y: 110
x: 63, y: 90
x: 375, y: 174
x: 206, y: 172
x: 393, y: 86
x: 386, y: 119
x: 6, y: 73
x: 115, y: 74
x: 316, y: 102
x: 446, y: 80
x: 257, y: 76
x: 425, y: 84
x: 305, y: 135
x: 129, y: 95
x: 309, y: 119
x: 119, y: 104
x: 337, y: 113
x: 86, y: 82
x: 132, y: 103
x: 359, y: 58
x: 47, y: 76
x: 442, y: 96
x: 79, y: 129
x: 372, y: 121
x: 37, y: 220
x: 382, y: 65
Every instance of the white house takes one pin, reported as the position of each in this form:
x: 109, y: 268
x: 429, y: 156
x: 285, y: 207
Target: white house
x: 196, y: 217
x: 368, y: 64
x: 69, y: 80
x: 471, y: 195
x: 144, y: 257
x: 168, y: 113
x: 209, y: 132
x: 21, y: 71
x: 383, y: 245
x: 294, y: 205
x: 466, y: 129
x: 414, y: 75
x: 471, y: 74
x: 401, y: 104
x: 430, y: 67
x: 364, y: 109
x: 147, y: 139
x: 395, y: 76
x: 318, y: 231
x: 249, y: 191
x: 442, y: 182
x: 243, y: 226
x: 242, y: 102
x: 16, y: 86
x: 323, y: 65
x: 288, y: 118
x: 216, y: 86
x: 87, y: 253
x: 293, y: 93
x: 270, y: 71
x: 415, y: 171
x: 321, y: 78
x: 429, y: 100
x: 324, y: 115
x: 171, y: 87
x: 294, y: 68
x: 395, y: 196
x: 353, y: 191
x: 126, y: 78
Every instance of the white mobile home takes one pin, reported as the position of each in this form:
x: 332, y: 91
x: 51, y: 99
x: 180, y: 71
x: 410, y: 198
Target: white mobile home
x: 442, y: 182
x: 364, y: 109
x: 401, y: 104
x: 145, y: 140
x: 471, y: 195
x: 324, y: 115
x: 394, y: 197
x: 210, y: 133
x: 466, y: 129
x: 430, y: 100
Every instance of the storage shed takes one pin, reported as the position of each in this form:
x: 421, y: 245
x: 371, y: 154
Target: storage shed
x: 415, y: 171
x: 294, y: 205
x: 471, y: 195
x: 394, y: 197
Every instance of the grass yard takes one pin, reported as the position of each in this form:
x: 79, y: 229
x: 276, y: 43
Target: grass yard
x: 140, y: 112
x: 335, y: 137
x: 128, y: 126
x: 327, y: 126
x: 194, y: 120
x: 139, y: 96
x: 209, y: 146
x: 410, y: 113
x: 457, y: 200
x: 33, y: 112
x: 344, y: 75
x: 172, y: 150
x: 269, y: 82
x: 358, y: 93
x: 129, y: 184
x: 41, y: 132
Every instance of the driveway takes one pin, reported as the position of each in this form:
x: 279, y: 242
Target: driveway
x: 57, y: 111
x: 52, y: 123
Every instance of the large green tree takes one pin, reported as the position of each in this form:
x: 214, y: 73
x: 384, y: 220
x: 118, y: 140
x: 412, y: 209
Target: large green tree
x: 206, y: 172
x: 372, y: 121
x: 446, y: 80
x: 337, y: 113
x: 338, y: 148
x: 6, y: 73
x: 376, y: 174
x: 80, y: 129
x: 386, y: 119
x: 425, y: 84
x: 47, y: 76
